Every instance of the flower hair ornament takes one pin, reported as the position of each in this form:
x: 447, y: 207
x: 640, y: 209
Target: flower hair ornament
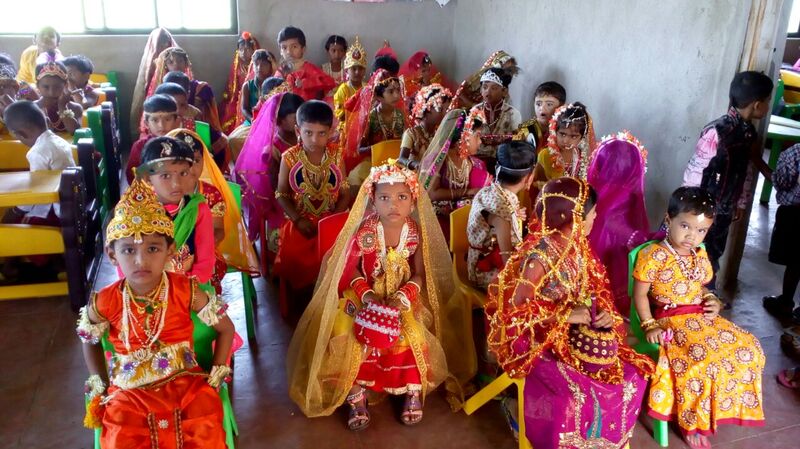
x: 475, y: 116
x: 570, y: 114
x: 430, y: 98
x: 491, y: 77
x: 626, y: 136
x: 391, y: 173
x: 52, y: 69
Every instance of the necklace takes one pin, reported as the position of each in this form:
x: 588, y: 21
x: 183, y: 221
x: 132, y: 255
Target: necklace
x: 495, y: 113
x: 458, y: 176
x: 130, y: 322
x: 388, y: 133
x: 688, y: 264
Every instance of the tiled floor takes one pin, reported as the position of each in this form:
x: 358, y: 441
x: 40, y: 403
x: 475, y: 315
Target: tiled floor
x: 41, y: 402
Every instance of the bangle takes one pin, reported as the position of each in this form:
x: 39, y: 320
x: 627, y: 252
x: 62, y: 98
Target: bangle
x: 409, y: 291
x: 66, y: 113
x: 650, y: 324
x: 361, y: 287
x: 94, y: 386
x: 218, y: 374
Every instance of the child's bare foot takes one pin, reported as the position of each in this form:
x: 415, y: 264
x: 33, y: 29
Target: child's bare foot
x: 412, y: 409
x: 696, y: 441
x: 359, y: 415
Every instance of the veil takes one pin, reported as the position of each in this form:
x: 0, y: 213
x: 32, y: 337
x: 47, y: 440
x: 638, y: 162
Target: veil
x: 252, y: 170
x: 231, y: 104
x: 446, y: 135
x: 357, y: 121
x: 236, y: 248
x: 412, y: 65
x: 617, y: 175
x: 145, y: 73
x: 322, y: 367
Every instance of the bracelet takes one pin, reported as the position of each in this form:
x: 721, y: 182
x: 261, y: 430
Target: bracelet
x: 361, y: 287
x: 409, y: 291
x: 279, y: 195
x: 94, y: 386
x: 650, y: 324
x: 66, y: 113
x: 218, y: 374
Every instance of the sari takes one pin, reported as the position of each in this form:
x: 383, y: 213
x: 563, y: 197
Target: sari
x: 616, y: 173
x: 411, y: 81
x: 575, y: 396
x: 325, y: 359
x: 240, y: 72
x: 159, y: 40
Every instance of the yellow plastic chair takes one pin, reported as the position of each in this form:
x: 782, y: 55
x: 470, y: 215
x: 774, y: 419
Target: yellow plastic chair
x: 490, y: 391
x: 459, y: 245
x: 791, y: 81
x: 381, y: 151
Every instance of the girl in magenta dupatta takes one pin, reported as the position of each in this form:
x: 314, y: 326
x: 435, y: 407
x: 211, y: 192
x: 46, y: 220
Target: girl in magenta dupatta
x: 257, y: 166
x: 617, y: 173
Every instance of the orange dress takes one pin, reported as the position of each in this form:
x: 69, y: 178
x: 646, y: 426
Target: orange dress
x: 158, y: 396
x: 710, y: 373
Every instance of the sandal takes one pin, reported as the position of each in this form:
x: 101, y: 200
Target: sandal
x: 696, y: 440
x: 790, y: 378
x: 359, y: 415
x: 412, y: 409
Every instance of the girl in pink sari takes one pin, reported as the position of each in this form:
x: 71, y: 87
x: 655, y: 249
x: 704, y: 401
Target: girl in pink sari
x: 256, y: 168
x: 616, y: 173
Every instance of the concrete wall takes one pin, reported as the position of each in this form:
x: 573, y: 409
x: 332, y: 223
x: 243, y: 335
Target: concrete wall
x: 659, y: 69
x: 408, y: 26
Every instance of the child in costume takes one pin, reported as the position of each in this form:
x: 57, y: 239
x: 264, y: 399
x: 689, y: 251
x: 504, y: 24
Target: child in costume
x: 726, y: 149
x: 496, y: 219
x: 311, y: 185
x: 449, y: 171
x: 44, y: 49
x: 258, y: 166
x: 709, y: 370
x: 79, y: 69
x: 153, y: 393
x: 570, y: 145
x: 552, y: 321
x: 63, y: 115
x: 336, y: 48
x: 304, y: 78
x: 548, y: 97
x: 468, y: 93
x: 375, y: 118
x: 430, y: 105
x: 240, y: 73
x: 159, y: 40
x: 378, y: 318
x: 187, y: 114
x: 355, y: 66
x: 418, y: 72
x: 616, y: 173
x: 160, y: 117
x: 264, y: 66
x: 166, y: 165
x: 502, y: 119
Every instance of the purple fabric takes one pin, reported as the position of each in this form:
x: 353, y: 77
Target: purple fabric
x: 252, y: 171
x: 555, y: 419
x: 617, y: 175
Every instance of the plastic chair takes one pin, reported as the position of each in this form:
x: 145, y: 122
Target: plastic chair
x: 249, y: 289
x: 328, y: 230
x: 459, y: 245
x: 493, y: 389
x: 203, y: 336
x: 381, y: 151
x: 204, y: 131
x: 660, y: 428
x: 782, y: 129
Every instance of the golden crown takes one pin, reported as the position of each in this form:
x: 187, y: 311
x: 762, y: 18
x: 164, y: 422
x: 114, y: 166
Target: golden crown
x: 355, y: 55
x: 52, y: 69
x: 138, y: 213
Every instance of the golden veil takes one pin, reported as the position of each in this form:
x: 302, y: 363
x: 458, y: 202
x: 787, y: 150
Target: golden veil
x: 322, y: 367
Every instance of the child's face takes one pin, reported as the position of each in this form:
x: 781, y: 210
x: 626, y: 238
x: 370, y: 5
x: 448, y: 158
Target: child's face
x: 435, y: 117
x: 336, y: 53
x: 391, y: 94
x: 588, y: 221
x: 51, y: 87
x: 196, y: 171
x: 77, y: 79
x: 160, y: 123
x: 492, y: 93
x: 314, y: 135
x: 177, y: 64
x: 393, y: 202
x: 26, y: 134
x: 47, y: 41
x: 356, y: 74
x: 9, y: 87
x: 544, y: 106
x: 292, y: 50
x: 170, y: 181
x: 263, y: 69
x: 687, y: 230
x: 425, y: 73
x: 288, y: 123
x: 474, y: 142
x: 183, y: 103
x: 245, y: 51
x: 141, y: 263
x: 568, y: 137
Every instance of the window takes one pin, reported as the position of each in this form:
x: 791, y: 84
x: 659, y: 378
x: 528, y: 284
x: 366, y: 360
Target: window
x: 794, y: 20
x: 122, y: 16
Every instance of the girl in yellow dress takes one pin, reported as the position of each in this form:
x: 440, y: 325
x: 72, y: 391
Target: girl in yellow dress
x: 709, y: 370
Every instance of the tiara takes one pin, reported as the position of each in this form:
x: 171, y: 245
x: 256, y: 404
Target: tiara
x: 6, y: 72
x: 391, y: 173
x: 491, y: 77
x: 52, y: 69
x: 387, y: 81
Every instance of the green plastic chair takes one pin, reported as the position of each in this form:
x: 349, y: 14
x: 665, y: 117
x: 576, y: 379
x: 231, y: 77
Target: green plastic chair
x: 94, y: 116
x: 779, y: 132
x: 203, y: 335
x: 660, y: 428
x: 204, y: 131
x: 249, y: 289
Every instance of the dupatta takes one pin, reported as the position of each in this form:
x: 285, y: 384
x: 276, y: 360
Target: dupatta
x: 146, y: 68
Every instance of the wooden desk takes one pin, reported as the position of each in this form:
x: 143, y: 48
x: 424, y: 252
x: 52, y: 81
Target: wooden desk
x: 26, y: 188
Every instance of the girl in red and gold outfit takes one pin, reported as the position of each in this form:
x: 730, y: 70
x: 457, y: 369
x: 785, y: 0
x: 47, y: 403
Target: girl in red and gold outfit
x: 154, y: 393
x: 377, y: 319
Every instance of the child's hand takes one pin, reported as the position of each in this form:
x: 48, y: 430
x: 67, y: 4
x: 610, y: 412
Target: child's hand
x: 711, y: 308
x: 522, y: 214
x: 580, y: 315
x: 655, y: 335
x: 306, y: 227
x: 370, y: 297
x: 603, y: 320
x: 77, y: 96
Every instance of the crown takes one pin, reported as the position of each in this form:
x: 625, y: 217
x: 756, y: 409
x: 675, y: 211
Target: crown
x: 355, y: 55
x: 137, y: 213
x: 52, y: 69
x: 188, y: 137
x: 491, y: 77
x: 391, y: 173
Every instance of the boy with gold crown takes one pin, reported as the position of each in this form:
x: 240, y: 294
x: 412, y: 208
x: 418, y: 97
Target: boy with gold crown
x: 377, y: 318
x: 355, y: 66
x: 153, y: 393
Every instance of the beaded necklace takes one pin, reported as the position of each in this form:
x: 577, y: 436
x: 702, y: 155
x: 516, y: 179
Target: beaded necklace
x: 458, y: 175
x: 159, y: 314
x: 688, y: 264
x: 388, y: 133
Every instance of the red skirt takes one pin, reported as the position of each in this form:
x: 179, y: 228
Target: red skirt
x: 183, y: 413
x: 296, y: 262
x: 390, y: 371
